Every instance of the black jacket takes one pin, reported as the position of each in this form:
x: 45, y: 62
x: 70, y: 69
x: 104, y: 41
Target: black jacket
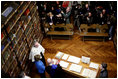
x: 49, y: 20
x: 104, y: 74
x: 58, y: 71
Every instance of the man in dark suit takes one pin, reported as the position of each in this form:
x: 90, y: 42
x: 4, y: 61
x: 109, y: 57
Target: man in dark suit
x: 77, y: 16
x: 89, y: 19
x: 104, y: 72
x: 86, y: 9
x: 102, y: 17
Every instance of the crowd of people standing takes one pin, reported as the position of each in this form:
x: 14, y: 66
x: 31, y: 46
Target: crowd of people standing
x: 55, y: 12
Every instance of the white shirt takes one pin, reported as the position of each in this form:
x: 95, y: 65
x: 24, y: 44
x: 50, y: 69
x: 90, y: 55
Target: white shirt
x: 36, y: 51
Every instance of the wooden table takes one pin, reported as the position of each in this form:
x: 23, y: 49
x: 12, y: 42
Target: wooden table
x: 68, y: 27
x: 80, y: 63
x: 67, y: 33
x: 102, y: 34
x: 60, y: 33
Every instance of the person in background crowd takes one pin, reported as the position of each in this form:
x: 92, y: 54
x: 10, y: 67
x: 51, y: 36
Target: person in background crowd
x: 77, y: 16
x: 59, y: 3
x: 86, y: 10
x: 53, y: 11
x: 51, y: 19
x: 74, y: 7
x: 65, y: 4
x: 42, y: 9
x: 112, y: 26
x: 104, y: 12
x: 89, y: 19
x: 58, y: 10
x: 37, y: 49
x: 75, y: 3
x: 103, y: 17
x: 96, y: 14
x: 59, y: 17
x: 23, y: 75
x: 104, y: 72
x: 67, y: 15
x: 40, y: 66
x: 45, y: 8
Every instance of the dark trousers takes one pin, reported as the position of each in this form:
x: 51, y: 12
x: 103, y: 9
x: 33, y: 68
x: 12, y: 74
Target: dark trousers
x: 43, y: 59
x: 111, y: 32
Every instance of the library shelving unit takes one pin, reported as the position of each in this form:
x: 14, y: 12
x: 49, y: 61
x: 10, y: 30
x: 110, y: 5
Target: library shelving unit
x: 20, y: 25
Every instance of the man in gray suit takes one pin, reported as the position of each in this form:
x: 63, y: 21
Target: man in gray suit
x: 67, y: 15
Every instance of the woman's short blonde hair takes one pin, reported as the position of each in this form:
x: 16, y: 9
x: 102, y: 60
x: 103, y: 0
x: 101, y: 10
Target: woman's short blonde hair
x: 50, y: 14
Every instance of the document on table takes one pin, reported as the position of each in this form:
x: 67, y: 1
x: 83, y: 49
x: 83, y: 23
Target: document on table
x: 59, y: 55
x: 63, y: 64
x: 65, y: 56
x: 76, y: 68
x: 85, y: 72
x: 74, y: 59
x: 92, y: 74
x: 89, y: 73
x: 85, y: 59
x: 94, y: 65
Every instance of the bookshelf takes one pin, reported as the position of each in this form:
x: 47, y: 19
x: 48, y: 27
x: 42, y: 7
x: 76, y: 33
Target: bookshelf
x: 18, y: 31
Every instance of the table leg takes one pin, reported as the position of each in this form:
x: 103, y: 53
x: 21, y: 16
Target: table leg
x: 51, y: 37
x: 103, y: 39
x: 83, y: 38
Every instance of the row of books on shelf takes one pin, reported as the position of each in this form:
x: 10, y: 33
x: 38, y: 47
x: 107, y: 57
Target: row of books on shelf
x: 15, y: 12
x: 12, y: 66
x: 3, y: 34
x: 18, y: 24
x: 9, y: 63
x: 7, y: 54
x: 5, y: 43
x: 15, y: 30
x: 16, y: 70
x: 25, y: 25
x: 23, y: 54
x: 10, y: 59
x: 8, y: 10
x: 19, y: 28
x: 16, y: 17
x: 17, y: 38
x: 13, y: 34
x: 25, y: 59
